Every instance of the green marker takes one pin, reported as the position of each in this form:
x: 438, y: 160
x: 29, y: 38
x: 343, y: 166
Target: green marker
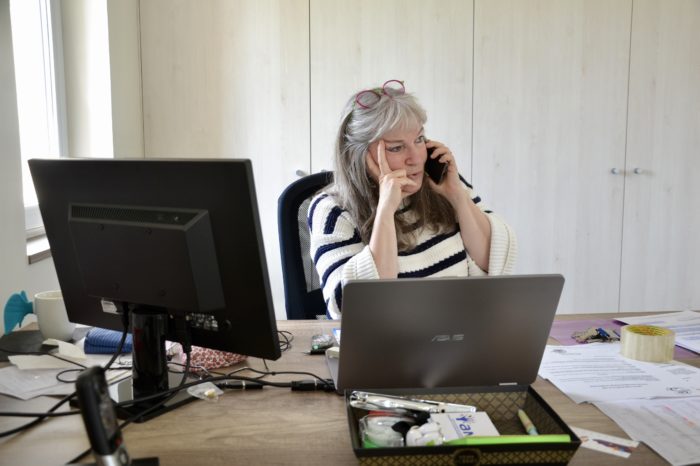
x: 510, y: 439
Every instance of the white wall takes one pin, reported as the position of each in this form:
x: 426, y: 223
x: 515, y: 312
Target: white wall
x: 15, y: 273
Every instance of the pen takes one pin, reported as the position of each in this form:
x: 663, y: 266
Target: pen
x: 527, y: 423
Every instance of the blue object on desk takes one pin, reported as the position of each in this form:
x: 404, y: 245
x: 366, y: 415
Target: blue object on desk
x: 16, y: 308
x: 103, y: 341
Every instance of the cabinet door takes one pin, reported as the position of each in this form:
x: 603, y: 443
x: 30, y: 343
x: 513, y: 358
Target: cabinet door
x: 359, y: 44
x: 661, y: 241
x: 550, y: 101
x: 229, y: 78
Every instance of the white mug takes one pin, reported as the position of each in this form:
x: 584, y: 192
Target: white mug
x: 52, y: 316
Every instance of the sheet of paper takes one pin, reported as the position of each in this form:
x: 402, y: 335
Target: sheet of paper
x: 28, y: 384
x: 597, y: 372
x: 686, y: 324
x: 669, y: 426
x: 605, y: 443
x: 66, y: 351
x: 23, y: 384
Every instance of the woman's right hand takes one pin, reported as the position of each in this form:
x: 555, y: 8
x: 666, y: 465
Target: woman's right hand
x: 391, y: 182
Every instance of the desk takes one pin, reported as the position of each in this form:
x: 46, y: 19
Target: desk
x: 268, y: 426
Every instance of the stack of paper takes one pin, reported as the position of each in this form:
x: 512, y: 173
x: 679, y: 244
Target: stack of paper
x: 657, y: 403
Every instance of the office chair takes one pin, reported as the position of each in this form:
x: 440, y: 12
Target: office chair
x: 302, y: 288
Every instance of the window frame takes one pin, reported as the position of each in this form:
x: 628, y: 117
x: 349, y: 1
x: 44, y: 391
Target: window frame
x: 54, y: 92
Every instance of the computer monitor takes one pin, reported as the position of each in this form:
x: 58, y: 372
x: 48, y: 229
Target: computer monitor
x: 168, y: 241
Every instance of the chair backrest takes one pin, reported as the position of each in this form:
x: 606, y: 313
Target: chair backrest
x: 302, y: 288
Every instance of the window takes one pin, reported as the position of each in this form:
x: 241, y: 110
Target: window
x: 36, y: 50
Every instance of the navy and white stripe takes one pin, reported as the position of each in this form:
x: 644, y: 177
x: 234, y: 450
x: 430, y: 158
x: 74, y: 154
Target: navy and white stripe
x: 340, y: 255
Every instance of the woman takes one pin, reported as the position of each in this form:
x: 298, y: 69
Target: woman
x: 383, y: 217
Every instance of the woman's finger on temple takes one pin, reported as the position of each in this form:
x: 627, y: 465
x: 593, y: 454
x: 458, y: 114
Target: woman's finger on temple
x: 381, y: 158
x: 372, y: 166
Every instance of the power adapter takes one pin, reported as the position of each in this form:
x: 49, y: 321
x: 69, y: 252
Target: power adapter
x: 309, y: 385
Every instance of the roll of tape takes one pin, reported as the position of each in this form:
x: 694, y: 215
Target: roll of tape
x: 647, y: 343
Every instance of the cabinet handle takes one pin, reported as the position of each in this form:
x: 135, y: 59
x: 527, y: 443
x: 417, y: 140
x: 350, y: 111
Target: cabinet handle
x: 638, y: 171
x: 615, y: 171
x: 300, y: 173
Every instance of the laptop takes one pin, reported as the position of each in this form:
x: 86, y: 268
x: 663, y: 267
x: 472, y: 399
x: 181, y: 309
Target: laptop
x: 444, y: 332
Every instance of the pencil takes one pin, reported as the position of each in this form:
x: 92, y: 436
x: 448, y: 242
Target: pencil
x: 527, y: 423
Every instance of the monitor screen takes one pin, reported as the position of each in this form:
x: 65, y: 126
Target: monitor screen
x: 182, y: 236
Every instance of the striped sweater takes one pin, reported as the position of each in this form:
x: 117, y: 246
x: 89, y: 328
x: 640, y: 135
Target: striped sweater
x: 340, y: 255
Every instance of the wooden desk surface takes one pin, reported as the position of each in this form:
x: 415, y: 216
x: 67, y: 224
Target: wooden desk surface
x: 272, y: 426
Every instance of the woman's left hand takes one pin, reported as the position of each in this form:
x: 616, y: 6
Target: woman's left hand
x: 451, y: 188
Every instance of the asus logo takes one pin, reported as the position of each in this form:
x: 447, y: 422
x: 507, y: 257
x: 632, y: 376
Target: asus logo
x: 455, y: 337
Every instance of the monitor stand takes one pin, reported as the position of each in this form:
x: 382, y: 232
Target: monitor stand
x: 149, y: 373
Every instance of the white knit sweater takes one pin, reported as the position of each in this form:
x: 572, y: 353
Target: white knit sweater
x: 340, y: 255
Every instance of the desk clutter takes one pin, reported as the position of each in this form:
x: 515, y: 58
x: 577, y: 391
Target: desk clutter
x: 104, y: 341
x: 640, y: 382
x: 596, y: 335
x: 506, y: 426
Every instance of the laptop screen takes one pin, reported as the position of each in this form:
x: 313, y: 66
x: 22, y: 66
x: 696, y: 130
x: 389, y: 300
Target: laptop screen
x: 446, y: 332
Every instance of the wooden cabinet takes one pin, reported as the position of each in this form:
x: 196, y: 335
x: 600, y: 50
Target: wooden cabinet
x: 229, y: 78
x: 586, y: 129
x: 550, y: 103
x: 549, y: 106
x: 661, y: 234
x: 426, y: 44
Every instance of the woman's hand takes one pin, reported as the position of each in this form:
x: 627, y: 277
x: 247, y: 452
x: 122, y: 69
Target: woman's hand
x: 451, y: 188
x: 474, y: 226
x: 391, y: 182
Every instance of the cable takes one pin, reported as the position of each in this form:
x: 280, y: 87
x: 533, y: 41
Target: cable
x: 64, y: 400
x: 286, y: 339
x: 125, y: 331
x: 225, y: 381
x: 67, y: 398
x: 326, y: 385
x: 319, y: 378
x: 46, y: 414
x: 188, y: 349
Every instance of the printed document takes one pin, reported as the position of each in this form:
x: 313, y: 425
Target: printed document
x: 669, y: 426
x: 597, y: 372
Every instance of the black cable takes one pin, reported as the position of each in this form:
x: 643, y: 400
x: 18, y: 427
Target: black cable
x: 149, y: 409
x: 188, y: 350
x: 198, y: 382
x: 286, y: 339
x: 64, y: 400
x: 125, y: 331
x: 46, y: 414
x: 318, y: 383
x: 67, y: 398
x: 310, y: 374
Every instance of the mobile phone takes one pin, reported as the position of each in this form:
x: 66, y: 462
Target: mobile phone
x: 435, y: 169
x: 100, y: 418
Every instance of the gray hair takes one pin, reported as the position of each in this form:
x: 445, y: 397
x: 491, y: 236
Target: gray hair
x: 353, y: 187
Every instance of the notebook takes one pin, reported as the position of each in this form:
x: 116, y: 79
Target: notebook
x: 444, y: 332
